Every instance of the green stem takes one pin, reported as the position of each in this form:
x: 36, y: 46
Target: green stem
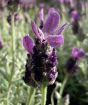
x: 13, y: 38
x: 44, y: 93
x: 63, y: 84
x: 12, y: 48
x: 30, y: 96
x: 52, y: 95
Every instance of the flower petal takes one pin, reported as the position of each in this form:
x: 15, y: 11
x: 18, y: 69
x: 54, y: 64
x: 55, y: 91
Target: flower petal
x: 41, y: 14
x: 55, y: 40
x: 28, y: 44
x: 62, y: 28
x: 34, y: 27
x: 41, y: 34
x: 52, y: 21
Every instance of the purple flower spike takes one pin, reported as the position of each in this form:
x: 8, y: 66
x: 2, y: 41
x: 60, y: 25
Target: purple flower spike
x: 55, y: 40
x: 77, y: 53
x: 52, y: 21
x: 28, y: 44
x: 42, y: 62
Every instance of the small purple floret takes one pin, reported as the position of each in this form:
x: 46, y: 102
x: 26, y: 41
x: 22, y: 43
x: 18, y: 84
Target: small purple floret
x: 77, y: 53
x: 75, y: 15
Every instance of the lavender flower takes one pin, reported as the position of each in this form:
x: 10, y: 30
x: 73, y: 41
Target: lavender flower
x: 42, y: 59
x: 17, y: 18
x: 64, y: 1
x: 75, y: 16
x: 27, y: 3
x: 67, y: 2
x: 1, y: 42
x: 3, y: 4
x: 76, y: 55
x: 76, y: 28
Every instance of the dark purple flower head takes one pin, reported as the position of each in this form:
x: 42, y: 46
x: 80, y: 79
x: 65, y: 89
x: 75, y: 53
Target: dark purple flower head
x: 1, y: 45
x: 77, y: 53
x: 75, y: 27
x: 42, y: 59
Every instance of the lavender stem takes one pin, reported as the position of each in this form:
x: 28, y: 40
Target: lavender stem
x: 44, y: 93
x: 63, y: 86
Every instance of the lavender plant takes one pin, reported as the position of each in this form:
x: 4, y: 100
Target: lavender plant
x: 52, y: 73
x: 42, y: 59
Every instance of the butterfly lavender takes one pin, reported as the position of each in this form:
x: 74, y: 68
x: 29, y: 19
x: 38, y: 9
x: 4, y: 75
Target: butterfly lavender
x: 71, y: 65
x: 41, y: 65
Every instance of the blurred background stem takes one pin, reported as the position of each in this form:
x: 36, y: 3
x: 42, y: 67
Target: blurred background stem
x: 13, y: 41
x: 13, y: 57
x: 30, y: 97
x: 62, y: 87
